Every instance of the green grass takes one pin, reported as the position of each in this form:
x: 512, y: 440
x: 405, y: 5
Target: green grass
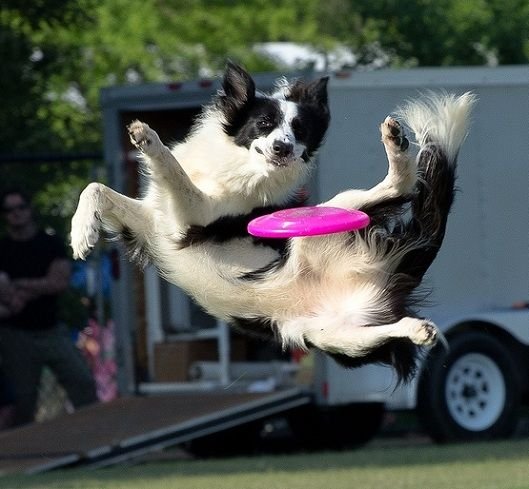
x: 503, y: 465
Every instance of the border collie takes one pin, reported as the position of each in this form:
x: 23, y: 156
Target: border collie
x: 348, y: 294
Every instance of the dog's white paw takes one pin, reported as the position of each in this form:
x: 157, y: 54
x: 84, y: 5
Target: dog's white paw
x: 86, y: 222
x: 144, y: 138
x: 393, y: 134
x: 424, y: 333
x: 402, y: 173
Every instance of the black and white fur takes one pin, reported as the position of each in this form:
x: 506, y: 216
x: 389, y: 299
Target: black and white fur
x: 348, y: 294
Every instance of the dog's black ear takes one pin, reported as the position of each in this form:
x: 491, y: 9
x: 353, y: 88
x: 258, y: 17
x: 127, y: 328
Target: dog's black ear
x: 317, y: 90
x: 238, y: 85
x: 314, y: 93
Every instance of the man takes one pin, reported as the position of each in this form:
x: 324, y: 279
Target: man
x: 34, y: 270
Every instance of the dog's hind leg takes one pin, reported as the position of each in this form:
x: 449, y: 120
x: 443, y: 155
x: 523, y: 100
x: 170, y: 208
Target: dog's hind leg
x: 100, y: 206
x: 400, y: 181
x: 190, y: 204
x: 338, y: 336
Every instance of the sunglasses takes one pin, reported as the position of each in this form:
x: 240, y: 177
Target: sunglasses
x: 19, y: 207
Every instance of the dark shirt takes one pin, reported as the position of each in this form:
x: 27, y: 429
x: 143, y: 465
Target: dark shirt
x: 32, y: 259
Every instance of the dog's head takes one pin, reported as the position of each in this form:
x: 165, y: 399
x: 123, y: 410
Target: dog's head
x: 281, y: 129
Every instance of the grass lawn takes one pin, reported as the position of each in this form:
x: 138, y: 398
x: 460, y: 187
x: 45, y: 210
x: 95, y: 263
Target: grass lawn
x: 502, y: 465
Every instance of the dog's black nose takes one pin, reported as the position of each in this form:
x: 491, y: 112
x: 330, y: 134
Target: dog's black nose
x: 282, y: 149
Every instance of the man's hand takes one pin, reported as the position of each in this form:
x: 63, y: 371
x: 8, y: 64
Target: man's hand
x: 12, y: 299
x: 15, y: 294
x: 18, y: 301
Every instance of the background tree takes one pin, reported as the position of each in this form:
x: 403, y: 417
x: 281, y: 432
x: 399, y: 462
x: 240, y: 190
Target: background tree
x: 430, y: 32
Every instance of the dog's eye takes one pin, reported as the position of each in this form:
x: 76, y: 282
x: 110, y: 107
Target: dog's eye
x: 265, y: 122
x: 298, y: 128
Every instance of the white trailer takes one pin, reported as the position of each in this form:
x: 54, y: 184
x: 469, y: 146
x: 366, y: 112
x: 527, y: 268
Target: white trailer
x: 472, y: 390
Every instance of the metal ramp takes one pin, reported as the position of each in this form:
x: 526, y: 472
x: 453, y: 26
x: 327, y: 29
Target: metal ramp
x: 110, y: 433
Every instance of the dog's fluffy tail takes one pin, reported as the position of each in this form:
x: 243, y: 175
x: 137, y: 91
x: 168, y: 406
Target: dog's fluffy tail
x: 440, y: 124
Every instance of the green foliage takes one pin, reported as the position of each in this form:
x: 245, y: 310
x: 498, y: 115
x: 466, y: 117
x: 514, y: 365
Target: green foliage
x: 431, y: 32
x: 31, y: 59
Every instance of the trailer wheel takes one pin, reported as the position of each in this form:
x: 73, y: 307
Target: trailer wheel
x: 336, y: 428
x: 236, y: 441
x: 470, y: 392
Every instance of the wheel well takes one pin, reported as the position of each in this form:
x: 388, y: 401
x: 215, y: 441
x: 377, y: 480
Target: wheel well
x: 518, y: 349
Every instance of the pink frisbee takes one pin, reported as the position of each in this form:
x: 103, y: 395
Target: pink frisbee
x: 307, y: 221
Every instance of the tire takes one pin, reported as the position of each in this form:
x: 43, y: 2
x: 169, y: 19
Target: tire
x: 336, y: 428
x: 236, y: 441
x: 470, y: 392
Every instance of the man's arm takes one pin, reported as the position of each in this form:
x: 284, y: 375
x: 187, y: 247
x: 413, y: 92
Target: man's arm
x: 55, y: 281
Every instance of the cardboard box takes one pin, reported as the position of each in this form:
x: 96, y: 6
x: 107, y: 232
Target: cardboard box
x: 173, y: 359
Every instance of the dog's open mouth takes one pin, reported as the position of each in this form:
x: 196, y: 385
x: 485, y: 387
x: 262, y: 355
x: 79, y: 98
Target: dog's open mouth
x: 283, y: 162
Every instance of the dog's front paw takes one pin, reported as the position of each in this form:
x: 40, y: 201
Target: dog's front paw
x: 84, y: 234
x: 143, y: 137
x: 393, y: 134
x: 86, y: 222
